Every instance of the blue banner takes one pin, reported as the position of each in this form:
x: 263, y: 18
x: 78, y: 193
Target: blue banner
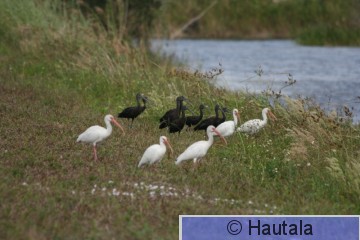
x: 269, y: 227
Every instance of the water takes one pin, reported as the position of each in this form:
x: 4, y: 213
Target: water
x: 330, y: 75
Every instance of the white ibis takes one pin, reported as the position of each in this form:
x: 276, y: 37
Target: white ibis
x: 255, y: 125
x: 199, y: 149
x: 155, y: 152
x: 95, y: 134
x: 228, y: 128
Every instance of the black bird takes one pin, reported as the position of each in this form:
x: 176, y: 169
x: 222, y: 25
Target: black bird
x: 134, y: 112
x: 178, y: 124
x: 208, y: 121
x: 172, y: 114
x: 193, y: 120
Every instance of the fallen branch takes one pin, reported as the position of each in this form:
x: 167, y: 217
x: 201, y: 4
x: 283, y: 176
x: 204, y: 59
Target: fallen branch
x: 179, y: 32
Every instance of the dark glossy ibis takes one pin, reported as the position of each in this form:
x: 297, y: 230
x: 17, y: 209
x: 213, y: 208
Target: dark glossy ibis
x: 134, y: 112
x: 193, y: 120
x: 208, y: 121
x: 178, y: 124
x: 172, y: 114
x: 218, y: 121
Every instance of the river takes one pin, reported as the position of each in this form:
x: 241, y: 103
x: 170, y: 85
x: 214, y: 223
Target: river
x: 329, y: 75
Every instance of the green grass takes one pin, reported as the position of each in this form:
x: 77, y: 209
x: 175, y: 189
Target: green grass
x: 56, y: 82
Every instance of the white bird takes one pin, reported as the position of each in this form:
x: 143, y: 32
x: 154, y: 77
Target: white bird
x: 228, y: 128
x: 199, y: 149
x: 155, y: 152
x: 255, y: 125
x: 95, y: 134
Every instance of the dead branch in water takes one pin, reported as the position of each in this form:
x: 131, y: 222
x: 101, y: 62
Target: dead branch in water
x: 178, y: 32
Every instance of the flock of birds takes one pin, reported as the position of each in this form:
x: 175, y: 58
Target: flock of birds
x: 175, y: 120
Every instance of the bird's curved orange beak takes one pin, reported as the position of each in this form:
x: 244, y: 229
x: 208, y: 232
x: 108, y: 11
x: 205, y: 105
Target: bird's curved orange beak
x: 272, y: 116
x: 219, y: 134
x: 167, y: 143
x: 117, y: 124
x: 238, y: 116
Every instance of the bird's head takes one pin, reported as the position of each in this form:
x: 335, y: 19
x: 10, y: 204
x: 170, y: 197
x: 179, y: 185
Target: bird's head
x: 270, y: 114
x: 139, y: 96
x: 110, y: 118
x: 181, y: 98
x: 213, y: 131
x: 144, y: 98
x: 166, y: 141
x: 236, y: 114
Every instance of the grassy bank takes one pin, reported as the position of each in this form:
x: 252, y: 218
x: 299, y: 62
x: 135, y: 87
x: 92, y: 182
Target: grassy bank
x: 310, y: 22
x: 58, y: 76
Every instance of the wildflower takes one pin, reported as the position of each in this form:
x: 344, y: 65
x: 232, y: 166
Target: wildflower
x: 129, y: 194
x: 152, y: 194
x: 153, y: 187
x: 115, y: 192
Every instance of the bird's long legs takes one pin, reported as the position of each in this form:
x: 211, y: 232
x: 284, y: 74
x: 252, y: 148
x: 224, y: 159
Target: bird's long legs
x: 95, y: 154
x: 130, y: 124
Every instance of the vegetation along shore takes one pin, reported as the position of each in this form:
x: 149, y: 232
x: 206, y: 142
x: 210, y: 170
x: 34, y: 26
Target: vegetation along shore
x: 310, y: 22
x: 62, y: 71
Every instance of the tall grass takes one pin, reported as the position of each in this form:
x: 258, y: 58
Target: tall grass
x: 57, y: 81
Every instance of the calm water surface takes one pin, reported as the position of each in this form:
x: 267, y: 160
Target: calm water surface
x: 330, y: 75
